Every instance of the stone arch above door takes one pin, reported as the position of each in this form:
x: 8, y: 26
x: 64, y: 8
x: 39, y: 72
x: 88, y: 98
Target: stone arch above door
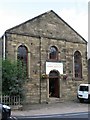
x: 54, y: 73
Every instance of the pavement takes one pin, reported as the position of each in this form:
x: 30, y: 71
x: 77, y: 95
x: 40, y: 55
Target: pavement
x: 52, y: 108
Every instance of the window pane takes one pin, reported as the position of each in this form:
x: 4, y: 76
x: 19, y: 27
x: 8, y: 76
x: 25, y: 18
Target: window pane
x: 53, y: 53
x: 77, y: 65
x: 83, y: 88
x: 22, y: 56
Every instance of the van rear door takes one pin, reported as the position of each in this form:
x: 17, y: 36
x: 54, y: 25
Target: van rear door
x: 83, y: 91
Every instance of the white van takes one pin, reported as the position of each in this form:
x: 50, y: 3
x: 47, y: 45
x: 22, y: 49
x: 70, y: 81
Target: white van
x: 83, y: 93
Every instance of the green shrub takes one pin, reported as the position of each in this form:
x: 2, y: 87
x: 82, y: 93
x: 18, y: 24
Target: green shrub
x: 13, y: 77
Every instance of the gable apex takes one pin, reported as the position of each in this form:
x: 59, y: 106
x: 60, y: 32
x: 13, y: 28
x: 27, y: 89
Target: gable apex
x: 48, y: 24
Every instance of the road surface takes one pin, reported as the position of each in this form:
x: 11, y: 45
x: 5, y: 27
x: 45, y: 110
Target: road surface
x: 67, y: 116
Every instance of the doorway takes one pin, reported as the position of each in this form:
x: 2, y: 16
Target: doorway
x: 54, y: 84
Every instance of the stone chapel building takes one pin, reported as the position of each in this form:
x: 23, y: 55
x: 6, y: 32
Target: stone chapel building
x: 55, y: 56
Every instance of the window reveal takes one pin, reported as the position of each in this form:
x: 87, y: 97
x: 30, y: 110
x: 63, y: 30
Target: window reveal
x: 23, y: 55
x: 53, y: 53
x: 77, y: 65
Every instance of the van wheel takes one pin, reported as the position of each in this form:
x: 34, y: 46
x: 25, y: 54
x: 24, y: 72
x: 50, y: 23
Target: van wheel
x: 81, y: 100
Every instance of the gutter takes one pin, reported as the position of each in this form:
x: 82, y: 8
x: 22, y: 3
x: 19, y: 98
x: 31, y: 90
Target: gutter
x: 4, y: 46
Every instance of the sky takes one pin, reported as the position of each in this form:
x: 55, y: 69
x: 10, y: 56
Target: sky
x: 74, y: 12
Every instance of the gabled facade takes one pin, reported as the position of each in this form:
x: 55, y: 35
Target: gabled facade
x: 55, y: 56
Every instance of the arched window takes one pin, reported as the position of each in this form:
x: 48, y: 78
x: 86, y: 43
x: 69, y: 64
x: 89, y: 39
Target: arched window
x: 22, y: 55
x: 53, y: 54
x: 77, y: 65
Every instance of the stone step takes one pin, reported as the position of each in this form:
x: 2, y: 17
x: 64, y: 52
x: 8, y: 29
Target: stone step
x: 54, y: 100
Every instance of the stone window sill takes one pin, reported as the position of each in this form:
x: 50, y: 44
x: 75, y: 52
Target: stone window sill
x: 77, y: 79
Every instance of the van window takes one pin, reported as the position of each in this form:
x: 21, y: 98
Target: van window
x: 83, y: 88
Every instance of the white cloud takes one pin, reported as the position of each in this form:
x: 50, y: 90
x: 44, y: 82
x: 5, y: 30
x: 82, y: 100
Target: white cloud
x: 77, y: 20
x: 75, y: 17
x: 8, y: 20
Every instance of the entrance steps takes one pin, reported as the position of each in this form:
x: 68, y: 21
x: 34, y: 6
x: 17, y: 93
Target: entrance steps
x: 54, y: 100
